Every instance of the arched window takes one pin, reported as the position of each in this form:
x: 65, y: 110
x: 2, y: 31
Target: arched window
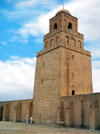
x: 70, y: 25
x: 67, y: 39
x: 57, y: 39
x: 73, y: 42
x: 55, y: 26
x: 79, y: 44
x: 46, y: 44
x: 51, y: 42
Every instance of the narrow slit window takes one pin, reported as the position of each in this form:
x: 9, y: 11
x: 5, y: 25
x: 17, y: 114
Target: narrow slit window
x: 43, y: 64
x: 72, y: 56
x: 73, y: 74
x: 42, y: 81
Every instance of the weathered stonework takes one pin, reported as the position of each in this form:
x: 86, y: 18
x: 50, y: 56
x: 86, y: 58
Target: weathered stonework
x: 63, y: 91
x: 63, y: 68
x: 17, y: 111
x: 91, y: 110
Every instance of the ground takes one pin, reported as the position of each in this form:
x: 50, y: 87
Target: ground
x: 23, y: 128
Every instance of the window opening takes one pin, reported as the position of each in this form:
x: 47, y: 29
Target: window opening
x: 42, y: 81
x: 72, y: 56
x: 67, y: 39
x: 43, y: 64
x: 73, y: 74
x: 55, y: 26
x: 51, y: 42
x: 70, y: 25
x: 73, y: 92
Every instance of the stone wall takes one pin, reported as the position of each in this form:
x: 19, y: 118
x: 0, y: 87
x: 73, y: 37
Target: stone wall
x: 85, y: 110
x: 63, y: 67
x: 47, y: 86
x: 76, y: 73
x: 19, y: 110
x: 59, y: 71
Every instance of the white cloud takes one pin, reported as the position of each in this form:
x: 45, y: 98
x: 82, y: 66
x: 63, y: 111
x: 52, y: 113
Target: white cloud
x: 19, y: 39
x: 27, y: 9
x: 86, y: 11
x: 37, y: 23
x: 17, y: 78
x: 3, y: 43
x: 94, y: 48
x: 25, y: 4
x: 36, y: 28
x: 96, y: 76
x: 34, y: 3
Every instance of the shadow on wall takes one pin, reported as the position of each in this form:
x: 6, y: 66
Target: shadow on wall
x: 1, y: 113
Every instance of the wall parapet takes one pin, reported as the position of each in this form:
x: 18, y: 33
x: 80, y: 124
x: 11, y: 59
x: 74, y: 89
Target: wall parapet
x: 65, y: 45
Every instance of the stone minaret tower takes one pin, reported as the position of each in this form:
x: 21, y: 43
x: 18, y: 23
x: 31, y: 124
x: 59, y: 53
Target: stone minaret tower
x: 63, y: 67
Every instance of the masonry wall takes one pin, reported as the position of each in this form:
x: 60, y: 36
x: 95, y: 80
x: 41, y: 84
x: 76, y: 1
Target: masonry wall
x: 76, y: 73
x: 18, y: 110
x: 47, y: 86
x: 88, y: 102
x: 7, y: 112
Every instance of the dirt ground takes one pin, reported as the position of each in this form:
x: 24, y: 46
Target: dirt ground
x: 24, y: 128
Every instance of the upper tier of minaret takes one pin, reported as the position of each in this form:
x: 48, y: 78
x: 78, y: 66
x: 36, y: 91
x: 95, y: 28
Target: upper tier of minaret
x: 63, y: 31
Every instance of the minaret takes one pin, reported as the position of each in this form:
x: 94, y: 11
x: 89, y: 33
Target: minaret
x: 63, y: 67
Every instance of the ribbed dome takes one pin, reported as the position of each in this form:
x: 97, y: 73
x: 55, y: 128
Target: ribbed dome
x: 63, y: 10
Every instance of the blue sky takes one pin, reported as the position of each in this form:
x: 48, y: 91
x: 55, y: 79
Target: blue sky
x: 23, y: 23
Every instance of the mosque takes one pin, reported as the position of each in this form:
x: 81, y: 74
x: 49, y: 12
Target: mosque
x: 63, y: 92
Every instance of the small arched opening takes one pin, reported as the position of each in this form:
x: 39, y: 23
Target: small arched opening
x: 73, y: 92
x: 70, y: 25
x: 57, y: 39
x: 73, y: 42
x: 46, y: 44
x: 55, y: 26
x: 67, y: 39
x: 51, y: 42
x: 79, y: 44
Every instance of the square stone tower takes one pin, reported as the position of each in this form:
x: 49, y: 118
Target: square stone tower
x: 63, y: 67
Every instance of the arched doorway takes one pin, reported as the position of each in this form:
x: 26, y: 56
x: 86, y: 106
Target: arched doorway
x: 1, y: 113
